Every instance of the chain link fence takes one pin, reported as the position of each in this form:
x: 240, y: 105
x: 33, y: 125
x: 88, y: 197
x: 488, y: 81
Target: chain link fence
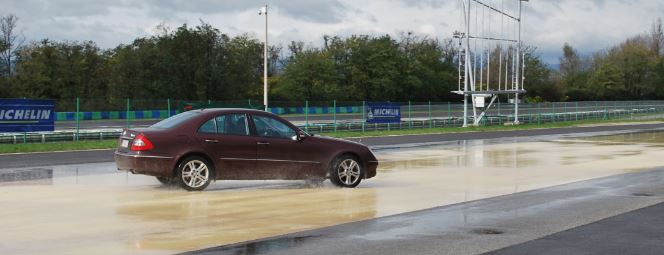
x: 325, y: 116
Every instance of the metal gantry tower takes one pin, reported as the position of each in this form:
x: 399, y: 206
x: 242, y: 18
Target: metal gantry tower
x: 481, y: 46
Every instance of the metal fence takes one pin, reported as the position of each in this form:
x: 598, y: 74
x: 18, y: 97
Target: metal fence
x: 333, y: 116
x: 95, y: 109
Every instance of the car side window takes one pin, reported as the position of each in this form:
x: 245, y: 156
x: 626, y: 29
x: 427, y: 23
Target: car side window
x: 232, y: 124
x: 270, y: 127
x: 208, y: 127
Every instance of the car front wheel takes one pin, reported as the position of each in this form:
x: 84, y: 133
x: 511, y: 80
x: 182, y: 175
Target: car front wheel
x: 194, y: 173
x: 346, y: 172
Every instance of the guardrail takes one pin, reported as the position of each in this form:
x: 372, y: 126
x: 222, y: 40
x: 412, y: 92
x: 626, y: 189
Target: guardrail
x: 114, y: 115
x: 643, y: 112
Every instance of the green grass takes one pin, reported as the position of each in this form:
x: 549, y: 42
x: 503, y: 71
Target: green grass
x: 111, y: 144
x: 59, y: 146
x: 421, y: 131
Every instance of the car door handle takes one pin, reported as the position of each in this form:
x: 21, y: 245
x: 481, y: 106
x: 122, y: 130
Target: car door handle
x: 211, y: 140
x: 263, y: 143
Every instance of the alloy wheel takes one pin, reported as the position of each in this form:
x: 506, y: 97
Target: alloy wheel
x: 349, y: 172
x: 195, y: 173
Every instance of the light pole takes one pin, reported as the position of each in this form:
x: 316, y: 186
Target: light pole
x: 263, y: 11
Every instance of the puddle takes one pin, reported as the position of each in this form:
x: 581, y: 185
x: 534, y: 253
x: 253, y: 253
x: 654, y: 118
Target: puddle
x: 654, y: 137
x: 93, y: 209
x: 26, y: 176
x: 488, y: 231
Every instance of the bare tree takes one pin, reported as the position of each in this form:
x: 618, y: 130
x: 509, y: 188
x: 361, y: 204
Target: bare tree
x: 10, y: 41
x: 570, y: 62
x: 295, y: 48
x: 657, y: 35
x: 3, y: 46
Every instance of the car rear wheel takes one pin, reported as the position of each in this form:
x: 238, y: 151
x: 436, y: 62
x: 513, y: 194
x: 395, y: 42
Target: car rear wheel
x: 194, y: 173
x: 346, y: 172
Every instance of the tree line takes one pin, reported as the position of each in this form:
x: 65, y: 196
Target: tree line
x: 631, y: 70
x: 202, y: 63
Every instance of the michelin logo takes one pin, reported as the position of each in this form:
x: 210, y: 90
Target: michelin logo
x: 13, y: 114
x: 376, y: 113
x: 385, y: 112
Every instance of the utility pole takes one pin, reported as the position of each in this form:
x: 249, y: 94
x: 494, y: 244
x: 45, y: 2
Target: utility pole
x: 518, y: 70
x: 263, y: 11
x: 468, y: 69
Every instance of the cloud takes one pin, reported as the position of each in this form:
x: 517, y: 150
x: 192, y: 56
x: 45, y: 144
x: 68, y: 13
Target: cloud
x: 323, y: 11
x: 587, y: 25
x: 424, y: 3
x: 60, y: 8
x: 315, y: 11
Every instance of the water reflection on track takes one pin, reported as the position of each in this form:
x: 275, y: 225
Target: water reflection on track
x: 84, y: 209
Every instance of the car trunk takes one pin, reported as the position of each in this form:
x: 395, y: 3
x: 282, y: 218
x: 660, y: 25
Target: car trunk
x: 128, y: 135
x: 125, y: 140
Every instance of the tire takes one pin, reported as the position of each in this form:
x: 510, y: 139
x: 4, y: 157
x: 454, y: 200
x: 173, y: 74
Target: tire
x: 346, y: 172
x: 194, y: 173
x: 166, y: 181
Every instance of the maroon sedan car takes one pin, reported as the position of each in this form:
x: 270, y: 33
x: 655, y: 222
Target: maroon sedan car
x: 195, y: 147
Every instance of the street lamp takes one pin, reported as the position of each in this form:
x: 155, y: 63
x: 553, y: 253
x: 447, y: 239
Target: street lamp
x: 263, y: 11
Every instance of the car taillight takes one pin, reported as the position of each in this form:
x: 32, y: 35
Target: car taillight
x: 141, y: 143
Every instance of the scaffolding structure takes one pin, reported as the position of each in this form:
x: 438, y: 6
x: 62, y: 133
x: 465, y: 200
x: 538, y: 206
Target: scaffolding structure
x: 484, y: 46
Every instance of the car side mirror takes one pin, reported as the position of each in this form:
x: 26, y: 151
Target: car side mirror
x: 299, y: 137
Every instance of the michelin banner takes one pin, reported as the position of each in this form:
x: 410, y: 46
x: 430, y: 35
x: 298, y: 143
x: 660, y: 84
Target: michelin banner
x: 26, y: 115
x: 383, y: 112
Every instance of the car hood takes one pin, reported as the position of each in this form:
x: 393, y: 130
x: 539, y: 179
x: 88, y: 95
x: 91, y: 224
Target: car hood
x: 333, y: 139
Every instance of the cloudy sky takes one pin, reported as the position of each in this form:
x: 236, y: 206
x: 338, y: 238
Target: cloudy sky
x: 588, y: 25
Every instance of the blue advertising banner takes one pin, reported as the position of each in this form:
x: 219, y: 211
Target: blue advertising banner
x: 27, y: 115
x: 383, y: 112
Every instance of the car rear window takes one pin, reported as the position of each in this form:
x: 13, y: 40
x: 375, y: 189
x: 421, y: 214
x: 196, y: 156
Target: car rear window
x: 175, y: 120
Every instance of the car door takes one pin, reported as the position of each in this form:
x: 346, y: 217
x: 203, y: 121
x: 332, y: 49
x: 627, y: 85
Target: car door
x: 227, y: 138
x: 279, y: 156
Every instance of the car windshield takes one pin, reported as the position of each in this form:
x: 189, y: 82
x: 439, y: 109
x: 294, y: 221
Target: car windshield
x: 175, y: 120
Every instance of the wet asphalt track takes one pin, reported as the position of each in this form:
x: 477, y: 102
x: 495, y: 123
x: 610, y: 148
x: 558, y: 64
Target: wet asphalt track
x: 531, y: 222
x: 60, y: 158
x: 636, y: 232
x: 546, y: 221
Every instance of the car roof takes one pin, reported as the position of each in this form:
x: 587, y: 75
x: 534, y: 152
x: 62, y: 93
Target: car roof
x: 213, y: 111
x: 222, y: 110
